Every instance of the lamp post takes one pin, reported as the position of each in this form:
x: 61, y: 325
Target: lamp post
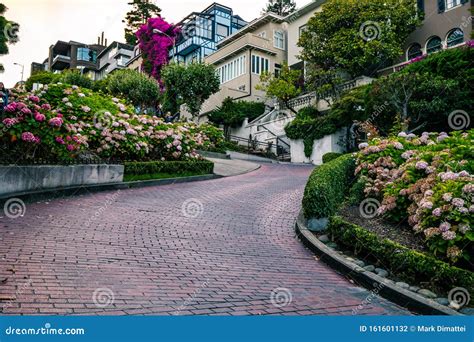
x: 158, y: 31
x: 22, y: 70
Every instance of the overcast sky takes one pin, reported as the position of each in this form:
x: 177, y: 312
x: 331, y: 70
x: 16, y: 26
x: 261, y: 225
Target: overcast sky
x: 43, y: 22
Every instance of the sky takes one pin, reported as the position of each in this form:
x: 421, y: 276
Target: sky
x: 44, y: 22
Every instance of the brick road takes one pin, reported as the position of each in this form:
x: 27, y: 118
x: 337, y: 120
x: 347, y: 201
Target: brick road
x: 224, y: 246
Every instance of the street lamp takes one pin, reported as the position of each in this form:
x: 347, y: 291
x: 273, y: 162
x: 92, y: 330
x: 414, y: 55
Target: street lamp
x: 158, y: 31
x: 22, y: 69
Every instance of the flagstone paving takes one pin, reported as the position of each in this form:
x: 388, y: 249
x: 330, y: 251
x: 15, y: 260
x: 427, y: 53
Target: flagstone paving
x: 220, y: 247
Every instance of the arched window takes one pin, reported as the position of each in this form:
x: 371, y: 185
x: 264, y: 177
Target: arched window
x: 414, y: 51
x: 434, y: 44
x: 454, y: 37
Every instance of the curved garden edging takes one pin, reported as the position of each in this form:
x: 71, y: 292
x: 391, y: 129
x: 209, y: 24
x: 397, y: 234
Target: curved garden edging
x: 388, y: 290
x: 31, y: 196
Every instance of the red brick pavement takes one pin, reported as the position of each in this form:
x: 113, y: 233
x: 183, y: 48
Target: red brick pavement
x: 138, y: 252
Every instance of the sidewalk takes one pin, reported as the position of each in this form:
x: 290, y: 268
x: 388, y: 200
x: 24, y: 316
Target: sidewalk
x: 232, y: 167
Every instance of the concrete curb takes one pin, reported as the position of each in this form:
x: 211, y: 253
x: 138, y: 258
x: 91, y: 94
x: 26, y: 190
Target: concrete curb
x: 369, y: 280
x: 76, y: 190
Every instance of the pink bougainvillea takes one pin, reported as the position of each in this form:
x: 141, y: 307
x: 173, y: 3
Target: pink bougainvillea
x: 156, y: 38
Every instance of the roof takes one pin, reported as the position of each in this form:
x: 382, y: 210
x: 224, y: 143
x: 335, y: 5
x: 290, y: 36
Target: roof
x: 313, y: 5
x: 120, y: 46
x: 253, y: 25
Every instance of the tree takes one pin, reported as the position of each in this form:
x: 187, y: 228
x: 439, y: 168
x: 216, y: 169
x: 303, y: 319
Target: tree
x: 190, y: 85
x: 138, y: 88
x: 281, y: 7
x: 74, y: 77
x: 8, y: 33
x: 360, y: 36
x: 233, y: 113
x: 138, y: 16
x: 284, y: 86
x: 156, y: 38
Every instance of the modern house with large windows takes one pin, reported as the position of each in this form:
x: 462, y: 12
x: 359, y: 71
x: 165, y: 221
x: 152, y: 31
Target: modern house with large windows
x: 202, y: 31
x: 74, y: 55
x: 115, y: 56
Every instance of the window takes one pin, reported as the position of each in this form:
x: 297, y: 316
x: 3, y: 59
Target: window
x: 279, y: 39
x: 232, y: 69
x: 455, y: 37
x: 452, y: 3
x: 85, y: 54
x: 433, y: 45
x: 222, y: 30
x: 414, y: 51
x: 302, y: 29
x: 259, y: 64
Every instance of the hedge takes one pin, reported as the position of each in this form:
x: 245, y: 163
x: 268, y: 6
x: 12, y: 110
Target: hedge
x: 141, y: 170
x: 410, y: 265
x: 327, y: 187
x: 330, y: 156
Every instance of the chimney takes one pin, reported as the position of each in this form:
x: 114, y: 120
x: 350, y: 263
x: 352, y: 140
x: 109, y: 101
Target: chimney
x: 106, y: 42
x: 102, y: 40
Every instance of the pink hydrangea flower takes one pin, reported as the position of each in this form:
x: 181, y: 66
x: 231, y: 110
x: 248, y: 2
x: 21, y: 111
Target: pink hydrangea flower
x: 33, y: 98
x: 421, y: 165
x: 437, y: 212
x: 449, y: 235
x: 458, y: 202
x: 29, y: 137
x: 40, y: 117
x: 9, y: 122
x: 445, y: 226
x: 56, y: 122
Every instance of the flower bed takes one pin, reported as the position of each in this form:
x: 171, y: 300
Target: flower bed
x: 166, y: 169
x: 427, y: 180
x: 62, y: 122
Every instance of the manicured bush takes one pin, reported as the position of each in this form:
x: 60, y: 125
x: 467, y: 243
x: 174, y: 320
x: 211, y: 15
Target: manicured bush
x: 330, y: 156
x: 156, y: 169
x: 414, y: 267
x: 41, y: 77
x: 428, y: 179
x: 327, y: 187
x: 232, y: 113
x: 74, y: 77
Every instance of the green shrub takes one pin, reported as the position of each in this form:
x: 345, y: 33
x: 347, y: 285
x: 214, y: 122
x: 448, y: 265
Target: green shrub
x: 155, y: 169
x: 330, y: 156
x: 356, y: 193
x: 41, y: 77
x: 327, y: 186
x: 74, y: 77
x: 233, y: 113
x: 410, y: 265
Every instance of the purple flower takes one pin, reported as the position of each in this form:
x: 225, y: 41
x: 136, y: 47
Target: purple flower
x: 437, y: 212
x: 11, y: 107
x: 447, y: 197
x: 449, y: 235
x: 421, y: 165
x: 29, y: 137
x: 56, y: 122
x: 464, y: 228
x: 46, y: 106
x: 458, y: 202
x: 39, y: 117
x: 445, y: 226
x: 60, y: 140
x: 468, y: 188
x: 9, y: 122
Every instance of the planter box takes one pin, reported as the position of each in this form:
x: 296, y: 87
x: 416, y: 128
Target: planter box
x: 23, y: 179
x: 330, y: 143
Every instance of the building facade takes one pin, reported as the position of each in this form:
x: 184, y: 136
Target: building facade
x: 243, y: 57
x: 116, y: 56
x: 74, y: 55
x: 202, y: 31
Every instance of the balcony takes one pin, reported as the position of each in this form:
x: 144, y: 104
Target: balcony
x: 61, y: 62
x: 236, y: 47
x: 189, y: 45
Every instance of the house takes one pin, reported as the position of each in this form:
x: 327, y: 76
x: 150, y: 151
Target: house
x: 447, y: 24
x: 115, y: 56
x: 241, y: 58
x: 202, y: 31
